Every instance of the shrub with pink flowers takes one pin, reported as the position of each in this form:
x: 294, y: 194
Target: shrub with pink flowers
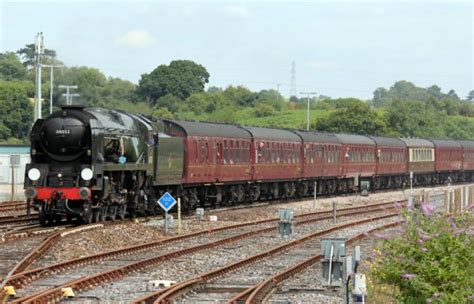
x: 429, y: 260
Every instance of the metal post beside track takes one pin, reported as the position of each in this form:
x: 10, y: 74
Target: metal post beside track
x: 179, y: 215
x: 334, y: 212
x: 315, y: 193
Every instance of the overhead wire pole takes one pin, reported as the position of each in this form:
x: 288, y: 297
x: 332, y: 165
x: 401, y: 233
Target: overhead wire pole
x: 39, y: 50
x: 308, y: 94
x: 52, y: 66
x: 68, y: 95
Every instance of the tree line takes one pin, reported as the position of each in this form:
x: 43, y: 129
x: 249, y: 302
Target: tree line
x: 178, y: 90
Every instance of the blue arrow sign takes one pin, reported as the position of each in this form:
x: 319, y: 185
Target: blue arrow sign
x: 167, y: 201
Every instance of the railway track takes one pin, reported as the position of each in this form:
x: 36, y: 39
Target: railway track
x: 13, y: 206
x: 170, y: 294
x: 260, y: 291
x: 79, y: 282
x: 17, y: 219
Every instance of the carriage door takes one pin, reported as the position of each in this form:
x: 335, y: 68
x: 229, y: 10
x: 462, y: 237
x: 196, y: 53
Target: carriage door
x: 219, y: 157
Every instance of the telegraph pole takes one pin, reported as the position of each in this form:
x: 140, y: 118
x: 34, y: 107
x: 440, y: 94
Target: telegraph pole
x: 39, y: 51
x: 68, y: 95
x: 51, y: 74
x: 307, y: 114
x: 293, y: 79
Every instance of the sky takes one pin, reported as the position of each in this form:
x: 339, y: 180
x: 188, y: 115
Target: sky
x: 340, y: 48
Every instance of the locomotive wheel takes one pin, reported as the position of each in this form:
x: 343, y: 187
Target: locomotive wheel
x: 113, y: 212
x: 103, y: 214
x: 97, y: 215
x: 122, y: 211
x: 42, y: 215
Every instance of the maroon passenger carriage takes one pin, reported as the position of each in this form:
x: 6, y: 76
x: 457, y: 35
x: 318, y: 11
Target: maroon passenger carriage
x: 448, y: 160
x: 321, y: 161
x: 217, y: 161
x: 468, y: 160
x: 391, y: 162
x: 357, y: 161
x: 277, y: 167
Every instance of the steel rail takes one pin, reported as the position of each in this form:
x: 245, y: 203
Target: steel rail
x: 168, y: 295
x: 260, y: 291
x: 21, y: 279
x: 7, y: 220
x: 12, y: 206
x: 55, y: 294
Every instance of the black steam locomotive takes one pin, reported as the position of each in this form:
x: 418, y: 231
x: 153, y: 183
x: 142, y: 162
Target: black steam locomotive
x: 94, y: 164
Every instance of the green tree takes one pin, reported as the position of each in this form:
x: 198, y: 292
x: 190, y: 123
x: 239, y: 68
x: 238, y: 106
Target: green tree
x: 357, y: 118
x: 162, y: 113
x: 91, y: 85
x: 271, y: 98
x: 263, y: 110
x: 435, y: 91
x: 415, y: 119
x: 11, y: 67
x: 117, y: 89
x: 170, y: 102
x: 181, y: 78
x: 203, y: 102
x: 470, y: 96
x: 452, y: 94
x: 240, y: 96
x: 381, y: 98
x: 16, y: 110
x: 28, y: 57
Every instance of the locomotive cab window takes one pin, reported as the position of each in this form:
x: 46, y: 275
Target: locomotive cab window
x: 112, y: 149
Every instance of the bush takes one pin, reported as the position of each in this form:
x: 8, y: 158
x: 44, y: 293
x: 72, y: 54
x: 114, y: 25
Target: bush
x: 430, y: 261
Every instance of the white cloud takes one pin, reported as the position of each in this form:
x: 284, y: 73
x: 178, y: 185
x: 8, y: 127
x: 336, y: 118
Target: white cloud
x: 135, y: 39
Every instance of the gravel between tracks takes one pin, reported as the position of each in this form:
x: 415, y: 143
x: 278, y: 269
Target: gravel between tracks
x: 188, y: 266
x: 251, y: 276
x: 122, y: 235
x: 306, y: 287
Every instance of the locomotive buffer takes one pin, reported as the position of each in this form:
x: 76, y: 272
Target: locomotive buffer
x: 166, y: 202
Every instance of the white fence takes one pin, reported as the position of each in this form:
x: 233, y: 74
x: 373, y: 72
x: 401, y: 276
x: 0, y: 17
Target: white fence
x: 7, y: 175
x: 452, y: 201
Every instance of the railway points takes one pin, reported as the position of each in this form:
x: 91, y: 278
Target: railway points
x: 268, y: 230
x: 47, y: 271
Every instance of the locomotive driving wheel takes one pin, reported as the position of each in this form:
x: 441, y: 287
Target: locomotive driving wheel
x: 122, y: 211
x: 97, y: 215
x: 113, y: 212
x: 42, y: 214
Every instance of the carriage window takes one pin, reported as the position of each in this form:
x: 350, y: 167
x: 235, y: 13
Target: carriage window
x: 203, y: 152
x: 273, y: 153
x: 226, y: 153
x: 238, y: 152
x: 196, y: 149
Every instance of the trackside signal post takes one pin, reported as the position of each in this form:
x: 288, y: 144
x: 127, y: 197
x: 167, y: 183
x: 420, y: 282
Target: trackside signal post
x: 166, y: 202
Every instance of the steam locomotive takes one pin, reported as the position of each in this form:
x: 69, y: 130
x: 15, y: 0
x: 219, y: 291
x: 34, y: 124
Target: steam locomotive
x: 95, y: 164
